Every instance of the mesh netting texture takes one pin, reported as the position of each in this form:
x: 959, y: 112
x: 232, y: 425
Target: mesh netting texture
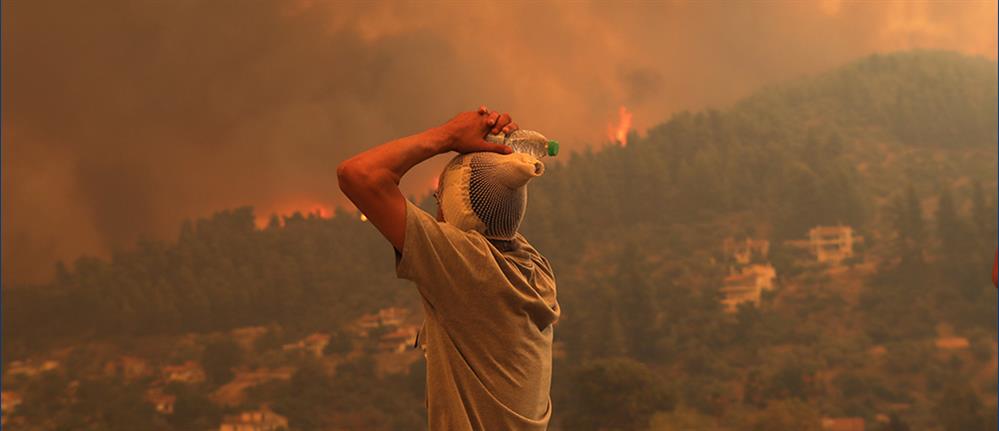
x: 487, y: 192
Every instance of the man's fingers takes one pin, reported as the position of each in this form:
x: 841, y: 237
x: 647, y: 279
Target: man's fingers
x: 493, y: 116
x: 483, y: 110
x: 510, y: 128
x: 501, y: 123
x: 494, y: 148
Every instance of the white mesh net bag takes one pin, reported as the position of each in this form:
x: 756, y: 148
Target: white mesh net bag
x: 487, y: 192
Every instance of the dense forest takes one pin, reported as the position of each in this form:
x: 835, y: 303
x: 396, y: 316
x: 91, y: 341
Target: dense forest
x: 901, y: 147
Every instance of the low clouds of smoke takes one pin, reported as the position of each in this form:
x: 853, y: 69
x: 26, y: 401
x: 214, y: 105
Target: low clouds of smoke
x: 120, y: 119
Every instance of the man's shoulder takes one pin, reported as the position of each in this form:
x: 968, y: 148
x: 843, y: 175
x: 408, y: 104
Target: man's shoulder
x: 421, y: 218
x: 526, y: 249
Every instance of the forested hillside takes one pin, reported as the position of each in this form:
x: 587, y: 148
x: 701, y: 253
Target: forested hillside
x: 900, y: 147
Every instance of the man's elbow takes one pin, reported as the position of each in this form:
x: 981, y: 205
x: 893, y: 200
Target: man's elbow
x: 354, y: 177
x: 349, y: 175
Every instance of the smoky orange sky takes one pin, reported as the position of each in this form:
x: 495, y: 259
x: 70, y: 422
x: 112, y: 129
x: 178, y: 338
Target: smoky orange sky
x: 122, y: 118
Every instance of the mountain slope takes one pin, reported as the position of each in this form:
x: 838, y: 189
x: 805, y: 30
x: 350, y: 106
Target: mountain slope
x: 835, y: 148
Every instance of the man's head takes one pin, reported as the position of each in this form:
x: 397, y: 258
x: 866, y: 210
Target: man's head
x: 487, y: 192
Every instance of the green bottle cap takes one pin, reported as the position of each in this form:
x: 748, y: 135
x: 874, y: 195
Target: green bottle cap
x: 552, y: 148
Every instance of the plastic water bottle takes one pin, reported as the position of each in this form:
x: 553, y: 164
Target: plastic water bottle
x: 526, y: 141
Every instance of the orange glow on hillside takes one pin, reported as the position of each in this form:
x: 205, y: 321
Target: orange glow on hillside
x: 619, y: 132
x: 288, y: 208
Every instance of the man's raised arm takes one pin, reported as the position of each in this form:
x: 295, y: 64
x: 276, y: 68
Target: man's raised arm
x: 371, y: 179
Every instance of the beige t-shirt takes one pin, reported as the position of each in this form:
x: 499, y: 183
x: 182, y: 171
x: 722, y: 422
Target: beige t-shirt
x: 487, y: 332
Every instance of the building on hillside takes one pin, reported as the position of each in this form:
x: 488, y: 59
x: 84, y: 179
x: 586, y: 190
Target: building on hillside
x: 315, y: 343
x: 743, y: 251
x: 386, y: 317
x: 952, y: 343
x: 765, y: 275
x: 261, y: 375
x: 392, y: 316
x: 9, y: 400
x: 233, y: 393
x: 842, y: 424
x: 188, y: 372
x: 364, y: 324
x: 30, y: 368
x: 399, y: 340
x: 247, y: 335
x: 747, y: 285
x: 831, y: 244
x: 738, y: 289
x: 312, y: 344
x: 254, y: 420
x: 72, y: 388
x: 129, y: 367
x: 163, y: 402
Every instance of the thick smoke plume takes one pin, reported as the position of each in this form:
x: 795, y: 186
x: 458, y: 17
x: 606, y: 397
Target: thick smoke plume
x: 121, y: 118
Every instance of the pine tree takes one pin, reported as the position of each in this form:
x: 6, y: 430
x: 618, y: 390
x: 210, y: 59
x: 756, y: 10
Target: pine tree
x: 910, y: 230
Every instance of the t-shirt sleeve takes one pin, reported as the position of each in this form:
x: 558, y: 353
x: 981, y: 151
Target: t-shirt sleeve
x: 445, y: 262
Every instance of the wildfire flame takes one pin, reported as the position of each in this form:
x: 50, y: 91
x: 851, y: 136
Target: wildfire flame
x: 619, y: 133
x: 285, y: 209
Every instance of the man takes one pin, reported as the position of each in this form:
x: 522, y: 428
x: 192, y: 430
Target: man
x: 488, y: 296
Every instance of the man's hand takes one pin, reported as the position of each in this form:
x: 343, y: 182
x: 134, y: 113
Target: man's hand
x: 371, y: 179
x: 466, y: 132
